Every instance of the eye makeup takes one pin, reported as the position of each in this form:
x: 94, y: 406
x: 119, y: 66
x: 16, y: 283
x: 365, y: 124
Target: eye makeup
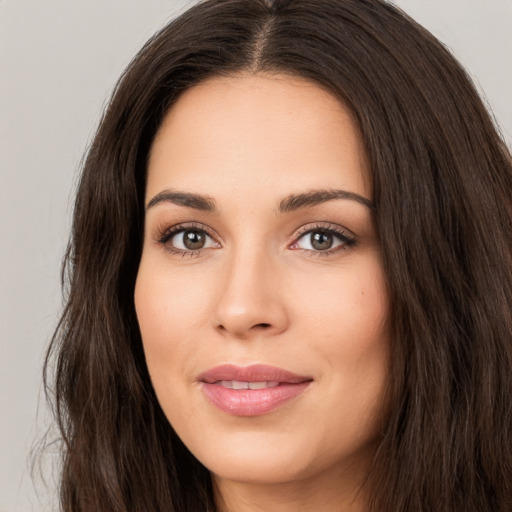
x: 192, y: 239
x: 323, y: 234
x: 197, y: 236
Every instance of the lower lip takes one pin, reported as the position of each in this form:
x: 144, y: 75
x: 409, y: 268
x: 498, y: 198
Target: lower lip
x: 252, y: 402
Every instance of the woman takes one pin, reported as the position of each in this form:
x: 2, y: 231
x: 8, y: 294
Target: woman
x: 290, y: 274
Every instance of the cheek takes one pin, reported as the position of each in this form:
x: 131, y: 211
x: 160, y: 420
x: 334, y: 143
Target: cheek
x: 163, y: 324
x: 166, y: 300
x: 168, y: 310
x: 351, y: 306
x: 345, y: 320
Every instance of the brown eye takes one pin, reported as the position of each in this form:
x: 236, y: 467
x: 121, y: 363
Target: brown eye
x: 321, y: 241
x: 193, y: 239
x: 188, y: 240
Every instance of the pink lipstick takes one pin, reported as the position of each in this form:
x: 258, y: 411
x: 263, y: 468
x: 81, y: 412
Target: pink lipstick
x: 251, y: 390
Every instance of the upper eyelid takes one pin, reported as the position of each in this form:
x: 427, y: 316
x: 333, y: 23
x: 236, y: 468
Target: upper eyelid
x: 184, y: 226
x: 323, y: 225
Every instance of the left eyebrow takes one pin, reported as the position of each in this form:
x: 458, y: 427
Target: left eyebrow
x: 312, y: 198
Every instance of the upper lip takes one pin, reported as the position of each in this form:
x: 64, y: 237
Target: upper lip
x: 252, y: 373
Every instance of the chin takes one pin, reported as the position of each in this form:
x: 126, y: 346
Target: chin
x: 257, y: 467
x: 252, y: 455
x: 261, y: 456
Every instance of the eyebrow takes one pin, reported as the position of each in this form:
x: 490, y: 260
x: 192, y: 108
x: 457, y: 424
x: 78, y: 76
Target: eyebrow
x: 289, y: 203
x: 312, y: 198
x: 196, y: 201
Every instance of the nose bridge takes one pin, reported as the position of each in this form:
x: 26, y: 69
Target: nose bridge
x: 249, y: 300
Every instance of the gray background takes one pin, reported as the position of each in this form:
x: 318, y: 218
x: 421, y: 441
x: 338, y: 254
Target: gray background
x: 59, y: 60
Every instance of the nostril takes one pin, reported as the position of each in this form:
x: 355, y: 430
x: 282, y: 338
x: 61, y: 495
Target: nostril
x: 263, y: 326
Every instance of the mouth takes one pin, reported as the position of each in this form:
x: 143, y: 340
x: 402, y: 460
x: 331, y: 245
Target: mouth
x: 251, y: 390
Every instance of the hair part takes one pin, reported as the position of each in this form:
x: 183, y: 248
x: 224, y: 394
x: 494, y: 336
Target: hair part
x: 442, y: 179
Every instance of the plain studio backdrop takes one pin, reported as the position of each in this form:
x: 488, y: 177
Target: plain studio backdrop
x: 59, y: 61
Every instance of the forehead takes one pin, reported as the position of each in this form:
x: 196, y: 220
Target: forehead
x: 234, y: 134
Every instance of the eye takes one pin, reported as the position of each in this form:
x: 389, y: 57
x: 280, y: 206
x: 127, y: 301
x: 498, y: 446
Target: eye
x: 323, y: 240
x: 191, y: 240
x: 186, y: 240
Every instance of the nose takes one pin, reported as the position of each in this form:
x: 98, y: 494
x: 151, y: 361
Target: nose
x: 251, y: 301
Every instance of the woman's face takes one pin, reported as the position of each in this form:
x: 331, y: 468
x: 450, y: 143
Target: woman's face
x: 260, y: 295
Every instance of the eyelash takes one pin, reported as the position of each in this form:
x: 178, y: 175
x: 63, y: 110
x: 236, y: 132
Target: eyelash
x: 166, y: 235
x: 347, y: 240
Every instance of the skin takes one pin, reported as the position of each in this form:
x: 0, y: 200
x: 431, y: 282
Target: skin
x: 260, y: 292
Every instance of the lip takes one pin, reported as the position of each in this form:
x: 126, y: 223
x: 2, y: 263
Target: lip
x: 251, y: 402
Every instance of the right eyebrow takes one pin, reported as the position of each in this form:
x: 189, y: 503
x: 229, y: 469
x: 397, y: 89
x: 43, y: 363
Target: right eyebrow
x: 196, y: 201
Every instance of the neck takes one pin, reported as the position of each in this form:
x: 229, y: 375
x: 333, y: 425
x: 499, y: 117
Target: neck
x: 333, y: 492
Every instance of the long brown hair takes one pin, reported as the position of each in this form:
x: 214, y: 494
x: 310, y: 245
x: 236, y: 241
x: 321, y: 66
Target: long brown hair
x: 442, y: 183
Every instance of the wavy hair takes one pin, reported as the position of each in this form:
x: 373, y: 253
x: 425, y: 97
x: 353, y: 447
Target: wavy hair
x: 442, y: 182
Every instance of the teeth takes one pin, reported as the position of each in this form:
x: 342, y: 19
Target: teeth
x: 240, y: 384
x: 263, y: 385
